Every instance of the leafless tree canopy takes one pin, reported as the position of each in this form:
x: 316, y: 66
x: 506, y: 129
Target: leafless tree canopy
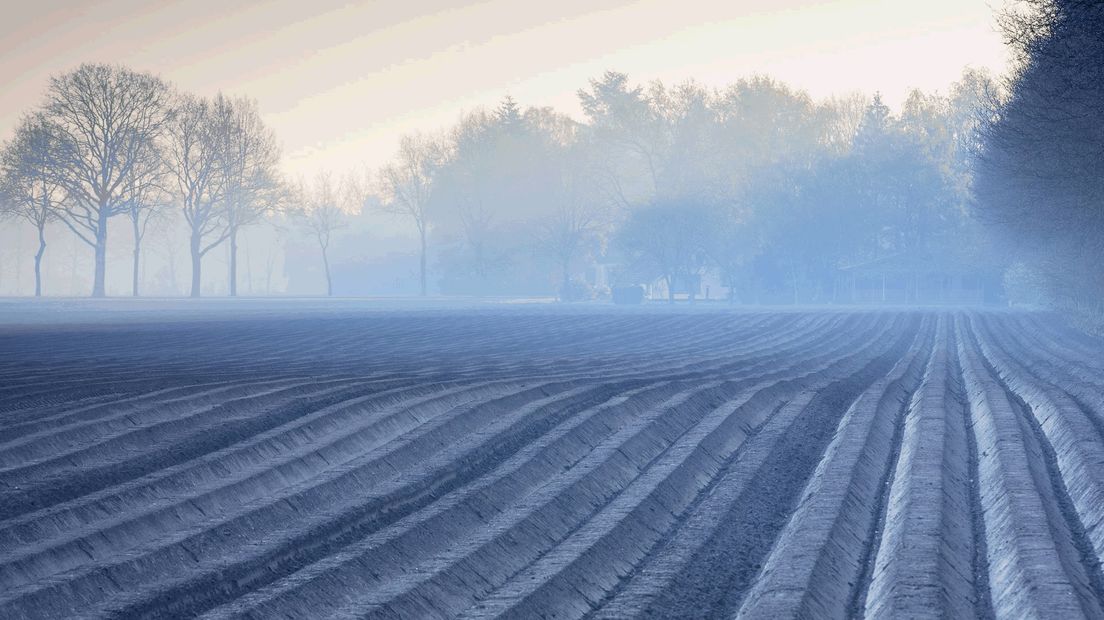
x: 223, y: 162
x: 193, y: 154
x: 406, y: 186
x: 322, y: 213
x: 28, y: 188
x: 249, y: 155
x: 107, y: 121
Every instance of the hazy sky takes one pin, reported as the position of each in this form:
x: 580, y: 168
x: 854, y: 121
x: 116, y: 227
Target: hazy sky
x: 340, y: 81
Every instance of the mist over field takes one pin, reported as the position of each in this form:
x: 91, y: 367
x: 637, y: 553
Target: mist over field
x: 744, y: 186
x: 586, y: 309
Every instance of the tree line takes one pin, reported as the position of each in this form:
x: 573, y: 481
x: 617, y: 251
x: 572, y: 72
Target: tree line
x: 111, y: 143
x: 756, y: 182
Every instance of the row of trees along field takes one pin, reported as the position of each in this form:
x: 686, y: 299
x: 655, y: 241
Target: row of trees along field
x: 756, y: 182
x: 109, y: 143
x: 1040, y: 173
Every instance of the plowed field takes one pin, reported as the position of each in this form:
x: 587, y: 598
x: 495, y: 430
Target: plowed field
x: 529, y: 462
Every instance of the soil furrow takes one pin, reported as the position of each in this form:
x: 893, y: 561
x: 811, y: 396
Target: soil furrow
x: 1034, y: 569
x: 566, y: 462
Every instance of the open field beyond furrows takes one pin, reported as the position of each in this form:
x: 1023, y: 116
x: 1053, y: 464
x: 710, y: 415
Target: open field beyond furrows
x: 527, y: 462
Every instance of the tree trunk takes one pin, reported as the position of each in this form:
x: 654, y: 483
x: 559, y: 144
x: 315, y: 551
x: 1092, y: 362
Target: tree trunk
x: 326, y: 265
x: 134, y: 276
x: 172, y: 269
x: 38, y: 260
x: 137, y: 256
x: 98, y: 288
x: 270, y: 264
x: 422, y: 271
x: 197, y: 264
x: 248, y: 273
x: 233, y: 261
x: 73, y: 288
x: 566, y: 281
x: 19, y: 264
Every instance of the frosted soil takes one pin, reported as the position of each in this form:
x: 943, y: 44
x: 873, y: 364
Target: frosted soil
x: 396, y: 460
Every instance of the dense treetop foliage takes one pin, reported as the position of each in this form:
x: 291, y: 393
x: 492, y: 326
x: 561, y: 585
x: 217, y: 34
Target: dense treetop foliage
x: 756, y: 182
x: 1039, y: 176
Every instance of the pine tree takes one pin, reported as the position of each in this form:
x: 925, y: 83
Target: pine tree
x: 509, y: 116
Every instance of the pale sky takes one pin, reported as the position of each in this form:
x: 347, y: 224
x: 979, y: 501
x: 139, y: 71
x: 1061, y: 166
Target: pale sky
x: 341, y: 81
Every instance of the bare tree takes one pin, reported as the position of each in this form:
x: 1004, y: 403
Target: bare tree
x: 106, y: 120
x: 27, y: 187
x: 280, y: 224
x: 321, y: 216
x: 407, y: 185
x: 250, y: 155
x: 148, y: 200
x: 193, y: 154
